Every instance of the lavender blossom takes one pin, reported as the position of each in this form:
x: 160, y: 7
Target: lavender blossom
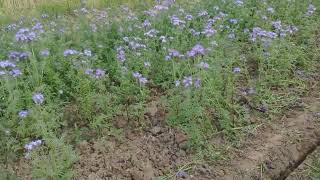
x: 24, y: 55
x: 23, y: 113
x: 311, y: 10
x: 2, y: 73
x: 187, y: 81
x: 87, y: 52
x: 146, y: 23
x: 146, y: 64
x: 6, y: 64
x: 197, y: 83
x: 177, y: 83
x: 15, y: 73
x: 121, y: 54
x: 196, y: 50
x: 25, y: 35
x: 151, y: 33
x: 176, y: 21
x: 189, y: 17
x: 88, y: 71
x: 38, y: 98
x: 236, y: 70
x: 203, y: 65
x: 45, y: 52
x: 14, y: 55
x: 276, y: 24
x: 69, y: 52
x: 99, y: 73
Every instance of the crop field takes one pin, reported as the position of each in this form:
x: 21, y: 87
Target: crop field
x: 185, y: 89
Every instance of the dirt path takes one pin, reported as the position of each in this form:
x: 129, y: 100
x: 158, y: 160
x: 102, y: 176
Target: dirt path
x: 278, y: 148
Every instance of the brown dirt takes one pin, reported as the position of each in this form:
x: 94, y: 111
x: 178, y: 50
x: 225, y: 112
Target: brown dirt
x: 276, y: 149
x: 139, y: 155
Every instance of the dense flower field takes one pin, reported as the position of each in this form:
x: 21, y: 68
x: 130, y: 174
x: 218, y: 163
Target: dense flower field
x: 210, y: 64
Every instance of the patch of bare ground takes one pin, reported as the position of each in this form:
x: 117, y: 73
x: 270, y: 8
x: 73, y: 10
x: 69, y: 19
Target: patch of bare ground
x: 306, y: 169
x: 277, y: 148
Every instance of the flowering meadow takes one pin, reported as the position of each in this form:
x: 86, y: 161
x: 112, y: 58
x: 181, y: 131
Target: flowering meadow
x: 211, y: 65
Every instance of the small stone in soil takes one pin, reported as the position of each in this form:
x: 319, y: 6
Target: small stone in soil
x: 316, y: 114
x: 156, y: 130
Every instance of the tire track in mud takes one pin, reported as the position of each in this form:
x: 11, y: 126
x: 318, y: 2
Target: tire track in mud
x: 280, y: 148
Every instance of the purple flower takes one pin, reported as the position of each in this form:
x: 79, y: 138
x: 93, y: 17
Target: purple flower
x: 203, y: 65
x: 2, y: 73
x: 7, y: 63
x: 88, y: 71
x: 197, y: 83
x: 38, y: 98
x: 87, y: 52
x: 270, y: 10
x: 236, y: 70
x: 189, y: 17
x: 146, y: 23
x: 258, y: 32
x: 151, y: 33
x: 147, y: 64
x: 233, y: 21
x: 93, y: 27
x: 177, y: 83
x: 137, y: 75
x: 276, y: 24
x: 143, y: 80
x: 100, y: 73
x: 208, y: 31
x: 203, y: 13
x: 196, y: 50
x: 69, y: 52
x: 311, y: 10
x: 121, y: 54
x: 24, y: 55
x: 31, y: 145
x: 45, y: 52
x: 231, y: 35
x: 13, y: 55
x: 163, y: 39
x: 187, y: 81
x: 176, y: 21
x: 23, y: 113
x: 239, y: 2
x: 15, y: 73
x: 172, y: 53
x: 25, y: 35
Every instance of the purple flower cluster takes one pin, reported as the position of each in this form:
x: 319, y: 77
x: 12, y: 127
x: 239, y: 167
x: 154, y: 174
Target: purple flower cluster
x: 121, y: 56
x: 259, y: 32
x: 45, y: 52
x: 198, y: 49
x: 172, y: 53
x: 151, y: 33
x: 142, y: 80
x: 98, y: 73
x: 311, y: 10
x: 70, y: 52
x: 25, y: 35
x: 23, y: 113
x: 9, y: 68
x: 15, y: 55
x: 203, y: 65
x: 146, y: 23
x: 188, y: 81
x: 176, y: 21
x: 38, y: 98
x: 87, y: 52
x: 32, y: 145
